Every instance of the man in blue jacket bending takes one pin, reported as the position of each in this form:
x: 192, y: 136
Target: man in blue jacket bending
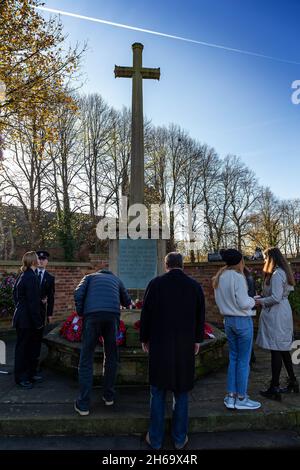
x: 98, y: 298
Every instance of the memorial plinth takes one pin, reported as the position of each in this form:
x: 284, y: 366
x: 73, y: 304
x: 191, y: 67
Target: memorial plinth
x: 136, y: 262
x: 133, y: 366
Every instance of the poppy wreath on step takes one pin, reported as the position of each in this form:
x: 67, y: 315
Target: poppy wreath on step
x: 71, y: 330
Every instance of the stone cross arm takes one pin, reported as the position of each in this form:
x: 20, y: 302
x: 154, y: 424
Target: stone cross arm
x: 128, y: 72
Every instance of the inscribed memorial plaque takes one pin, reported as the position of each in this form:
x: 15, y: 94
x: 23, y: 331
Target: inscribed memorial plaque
x: 137, y: 262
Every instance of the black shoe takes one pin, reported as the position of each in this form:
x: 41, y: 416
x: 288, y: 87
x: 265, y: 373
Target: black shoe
x: 292, y: 385
x: 25, y: 384
x: 37, y: 379
x: 272, y: 392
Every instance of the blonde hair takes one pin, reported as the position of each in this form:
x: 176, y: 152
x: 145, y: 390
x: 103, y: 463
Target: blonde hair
x: 29, y: 259
x: 216, y: 278
x: 274, y: 258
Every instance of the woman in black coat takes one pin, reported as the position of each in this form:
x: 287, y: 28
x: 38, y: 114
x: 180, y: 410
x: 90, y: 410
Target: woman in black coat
x: 27, y: 320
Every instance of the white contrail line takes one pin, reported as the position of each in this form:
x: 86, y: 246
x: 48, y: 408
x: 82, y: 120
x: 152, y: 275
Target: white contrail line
x: 171, y: 36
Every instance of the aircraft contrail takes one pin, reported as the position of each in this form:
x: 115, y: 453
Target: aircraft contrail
x: 165, y: 35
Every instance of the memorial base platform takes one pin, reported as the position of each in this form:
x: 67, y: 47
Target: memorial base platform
x: 133, y: 366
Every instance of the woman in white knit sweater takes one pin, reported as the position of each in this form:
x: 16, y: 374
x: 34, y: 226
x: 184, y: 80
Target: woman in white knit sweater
x: 234, y: 303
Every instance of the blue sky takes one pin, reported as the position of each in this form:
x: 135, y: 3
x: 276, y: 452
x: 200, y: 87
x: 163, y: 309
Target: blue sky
x: 237, y: 103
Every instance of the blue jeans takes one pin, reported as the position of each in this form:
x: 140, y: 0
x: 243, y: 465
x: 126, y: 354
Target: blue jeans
x: 103, y: 324
x: 157, y: 417
x: 239, y: 332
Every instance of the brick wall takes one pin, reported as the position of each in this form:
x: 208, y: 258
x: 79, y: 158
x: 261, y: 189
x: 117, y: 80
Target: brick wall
x: 203, y: 273
x: 68, y: 275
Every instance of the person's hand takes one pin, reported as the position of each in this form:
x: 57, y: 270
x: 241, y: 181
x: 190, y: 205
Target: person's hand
x: 197, y: 348
x: 258, y: 300
x: 44, y: 300
x: 145, y: 347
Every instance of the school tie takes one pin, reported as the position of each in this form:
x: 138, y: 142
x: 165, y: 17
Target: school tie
x: 40, y: 277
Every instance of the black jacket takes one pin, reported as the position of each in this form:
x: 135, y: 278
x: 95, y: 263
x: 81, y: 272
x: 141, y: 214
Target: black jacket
x: 251, y: 285
x: 47, y: 290
x: 27, y: 299
x: 172, y: 321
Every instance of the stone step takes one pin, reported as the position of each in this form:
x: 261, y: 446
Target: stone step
x: 47, y: 409
x: 54, y: 419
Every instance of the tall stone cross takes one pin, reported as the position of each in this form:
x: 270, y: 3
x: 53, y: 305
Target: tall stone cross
x: 137, y: 72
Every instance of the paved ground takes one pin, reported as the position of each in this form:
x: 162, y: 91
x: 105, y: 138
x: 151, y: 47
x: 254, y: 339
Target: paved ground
x: 45, y: 414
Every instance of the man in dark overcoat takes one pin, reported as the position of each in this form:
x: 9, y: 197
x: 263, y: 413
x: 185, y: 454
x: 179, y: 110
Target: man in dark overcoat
x: 172, y: 328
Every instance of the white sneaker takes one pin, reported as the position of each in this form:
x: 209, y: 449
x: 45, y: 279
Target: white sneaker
x: 108, y: 402
x: 246, y: 404
x: 229, y: 402
x: 80, y: 411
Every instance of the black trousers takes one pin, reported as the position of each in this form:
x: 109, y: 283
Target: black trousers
x: 27, y: 352
x: 37, y: 346
x: 277, y: 357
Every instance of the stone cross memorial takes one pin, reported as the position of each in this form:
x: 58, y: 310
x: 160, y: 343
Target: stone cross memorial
x: 137, y: 72
x: 137, y: 261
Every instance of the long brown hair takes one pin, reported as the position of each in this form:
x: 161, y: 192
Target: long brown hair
x: 273, y: 259
x: 29, y: 259
x: 216, y: 278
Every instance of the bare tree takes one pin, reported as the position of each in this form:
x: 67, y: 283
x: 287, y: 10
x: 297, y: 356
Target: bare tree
x: 62, y: 177
x: 211, y: 186
x: 23, y: 173
x: 96, y: 139
x: 193, y: 195
x: 156, y: 164
x: 266, y: 221
x: 177, y: 157
x: 243, y: 195
x: 117, y: 163
x: 291, y: 227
